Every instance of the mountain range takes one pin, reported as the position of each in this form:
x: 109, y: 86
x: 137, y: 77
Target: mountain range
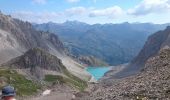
x: 113, y: 43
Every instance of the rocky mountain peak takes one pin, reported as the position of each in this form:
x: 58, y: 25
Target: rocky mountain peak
x: 37, y: 57
x: 38, y: 62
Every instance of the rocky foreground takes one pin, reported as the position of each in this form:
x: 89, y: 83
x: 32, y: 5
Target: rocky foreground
x: 152, y: 83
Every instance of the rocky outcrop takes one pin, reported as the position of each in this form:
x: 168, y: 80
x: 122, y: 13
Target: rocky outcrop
x: 92, y: 61
x: 37, y: 57
x: 151, y: 48
x: 37, y: 60
x: 152, y: 83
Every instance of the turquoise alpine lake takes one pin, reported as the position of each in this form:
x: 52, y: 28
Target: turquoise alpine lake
x: 98, y: 72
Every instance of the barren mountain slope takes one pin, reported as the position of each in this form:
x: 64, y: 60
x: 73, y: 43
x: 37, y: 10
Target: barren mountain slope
x: 16, y: 37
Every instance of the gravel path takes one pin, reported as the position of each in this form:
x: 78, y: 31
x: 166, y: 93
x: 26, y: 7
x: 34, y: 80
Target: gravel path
x: 56, y: 93
x: 55, y: 96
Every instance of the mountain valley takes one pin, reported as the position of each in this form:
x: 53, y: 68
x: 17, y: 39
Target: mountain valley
x: 149, y: 82
x: 73, y: 60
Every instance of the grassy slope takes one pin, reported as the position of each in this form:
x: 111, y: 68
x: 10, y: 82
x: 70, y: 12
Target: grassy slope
x: 75, y: 81
x: 23, y: 86
x: 70, y: 80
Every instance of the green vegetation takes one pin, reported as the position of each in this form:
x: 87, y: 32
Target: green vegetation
x: 140, y: 97
x: 70, y: 79
x: 23, y: 86
x: 75, y: 81
x: 54, y: 79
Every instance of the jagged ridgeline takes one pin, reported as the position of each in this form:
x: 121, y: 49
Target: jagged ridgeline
x: 39, y: 65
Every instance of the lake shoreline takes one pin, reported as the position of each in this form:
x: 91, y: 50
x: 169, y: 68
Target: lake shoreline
x: 97, y: 72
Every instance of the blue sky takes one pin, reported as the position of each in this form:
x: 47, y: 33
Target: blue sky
x: 89, y: 11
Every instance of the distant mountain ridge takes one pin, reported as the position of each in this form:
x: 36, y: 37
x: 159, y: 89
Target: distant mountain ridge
x: 112, y: 43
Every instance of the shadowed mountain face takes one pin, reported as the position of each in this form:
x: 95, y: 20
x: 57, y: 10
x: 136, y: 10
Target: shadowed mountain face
x: 113, y: 43
x: 151, y: 48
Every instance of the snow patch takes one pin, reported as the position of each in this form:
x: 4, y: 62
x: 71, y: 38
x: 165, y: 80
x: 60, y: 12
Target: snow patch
x: 46, y: 92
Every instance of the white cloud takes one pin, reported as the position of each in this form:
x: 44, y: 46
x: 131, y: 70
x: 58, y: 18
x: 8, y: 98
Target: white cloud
x: 75, y: 11
x: 147, y: 10
x: 73, y: 1
x: 39, y: 1
x: 40, y: 17
x: 150, y: 6
x: 107, y: 12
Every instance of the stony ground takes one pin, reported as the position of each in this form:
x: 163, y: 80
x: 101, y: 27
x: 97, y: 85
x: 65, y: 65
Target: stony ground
x: 60, y: 92
x: 152, y: 83
x: 55, y: 96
